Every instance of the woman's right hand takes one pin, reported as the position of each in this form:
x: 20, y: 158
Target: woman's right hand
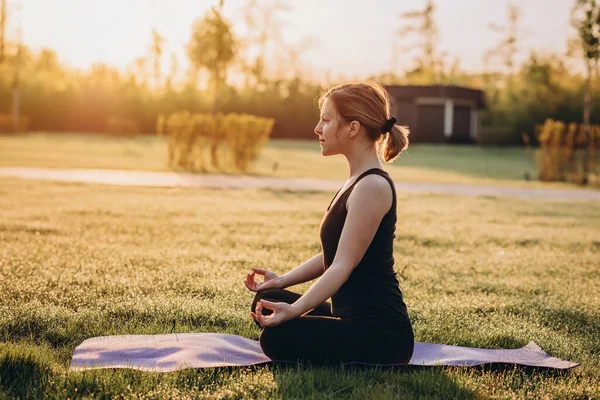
x: 271, y: 280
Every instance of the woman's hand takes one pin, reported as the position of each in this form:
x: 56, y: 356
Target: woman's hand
x: 281, y: 312
x: 271, y: 280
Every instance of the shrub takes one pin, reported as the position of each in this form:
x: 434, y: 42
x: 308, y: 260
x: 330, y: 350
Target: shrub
x: 222, y: 140
x: 566, y: 153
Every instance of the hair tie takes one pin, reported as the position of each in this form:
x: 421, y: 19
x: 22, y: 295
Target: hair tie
x: 389, y: 124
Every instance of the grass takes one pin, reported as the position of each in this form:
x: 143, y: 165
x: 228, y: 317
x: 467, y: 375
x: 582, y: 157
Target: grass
x: 79, y: 260
x: 281, y: 158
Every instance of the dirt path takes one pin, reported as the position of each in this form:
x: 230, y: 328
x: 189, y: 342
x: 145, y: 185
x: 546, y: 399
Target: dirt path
x: 171, y: 179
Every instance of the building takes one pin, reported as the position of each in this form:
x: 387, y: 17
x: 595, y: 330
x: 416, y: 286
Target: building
x: 437, y: 113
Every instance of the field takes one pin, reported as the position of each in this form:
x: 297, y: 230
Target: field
x: 282, y: 158
x: 80, y: 260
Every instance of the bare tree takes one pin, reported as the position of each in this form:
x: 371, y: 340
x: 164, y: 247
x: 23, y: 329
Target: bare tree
x: 422, y: 24
x: 586, y: 19
x: 291, y: 65
x: 2, y: 29
x: 18, y: 63
x: 138, y: 70
x: 173, y: 70
x: 265, y: 26
x: 157, y: 50
x: 507, y: 48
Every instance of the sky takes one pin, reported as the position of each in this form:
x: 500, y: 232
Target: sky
x: 351, y: 38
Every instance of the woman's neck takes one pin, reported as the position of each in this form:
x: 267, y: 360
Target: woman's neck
x: 363, y: 160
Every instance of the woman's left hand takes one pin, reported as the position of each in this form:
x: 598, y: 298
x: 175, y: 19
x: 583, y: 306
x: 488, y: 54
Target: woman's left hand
x: 281, y: 312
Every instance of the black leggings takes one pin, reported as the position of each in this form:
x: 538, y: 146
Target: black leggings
x: 319, y: 338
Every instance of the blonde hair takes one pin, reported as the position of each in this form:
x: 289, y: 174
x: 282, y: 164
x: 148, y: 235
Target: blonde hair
x: 369, y: 104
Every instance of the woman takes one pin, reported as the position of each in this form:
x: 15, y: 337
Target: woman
x: 367, y: 320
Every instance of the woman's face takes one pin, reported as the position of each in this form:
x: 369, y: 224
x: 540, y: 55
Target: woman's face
x: 327, y: 128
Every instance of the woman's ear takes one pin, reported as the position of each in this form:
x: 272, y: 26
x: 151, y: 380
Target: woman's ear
x: 354, y: 127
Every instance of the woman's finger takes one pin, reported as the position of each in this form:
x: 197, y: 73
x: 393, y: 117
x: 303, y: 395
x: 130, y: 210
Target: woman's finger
x: 259, y: 271
x: 257, y: 319
x: 269, y: 320
x: 266, y: 320
x: 259, y: 316
x: 268, y: 304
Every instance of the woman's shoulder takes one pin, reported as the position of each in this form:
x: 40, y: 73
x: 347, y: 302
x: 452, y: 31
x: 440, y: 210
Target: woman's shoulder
x: 380, y: 183
x: 373, y: 189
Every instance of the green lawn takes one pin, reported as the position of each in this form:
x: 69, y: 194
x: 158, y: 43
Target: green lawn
x: 283, y: 158
x: 81, y: 260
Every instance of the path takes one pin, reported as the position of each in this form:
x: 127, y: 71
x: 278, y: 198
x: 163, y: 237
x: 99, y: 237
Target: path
x: 172, y: 179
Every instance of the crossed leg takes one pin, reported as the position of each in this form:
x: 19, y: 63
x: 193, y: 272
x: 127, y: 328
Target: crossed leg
x: 317, y: 338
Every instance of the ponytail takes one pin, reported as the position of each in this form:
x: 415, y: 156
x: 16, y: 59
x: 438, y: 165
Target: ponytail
x: 394, y: 142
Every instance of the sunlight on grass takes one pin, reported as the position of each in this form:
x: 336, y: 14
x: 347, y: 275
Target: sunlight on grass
x: 88, y: 260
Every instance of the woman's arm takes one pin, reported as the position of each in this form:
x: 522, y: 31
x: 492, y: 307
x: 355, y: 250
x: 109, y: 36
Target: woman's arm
x: 370, y: 200
x: 307, y: 271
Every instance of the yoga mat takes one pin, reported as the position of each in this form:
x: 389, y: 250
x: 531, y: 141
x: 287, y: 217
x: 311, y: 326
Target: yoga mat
x: 172, y: 352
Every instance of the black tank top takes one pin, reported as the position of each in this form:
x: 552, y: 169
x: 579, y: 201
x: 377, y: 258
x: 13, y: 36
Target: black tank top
x: 371, y: 295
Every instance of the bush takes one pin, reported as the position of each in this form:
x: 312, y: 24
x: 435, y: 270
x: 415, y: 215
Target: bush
x: 245, y: 136
x: 566, y: 153
x: 222, y: 140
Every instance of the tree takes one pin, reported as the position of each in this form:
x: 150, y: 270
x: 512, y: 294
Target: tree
x: 2, y: 29
x: 586, y: 19
x: 423, y: 25
x: 138, y: 70
x: 265, y: 27
x: 157, y: 50
x: 48, y: 60
x: 507, y: 48
x: 173, y: 70
x: 212, y: 47
x: 289, y: 60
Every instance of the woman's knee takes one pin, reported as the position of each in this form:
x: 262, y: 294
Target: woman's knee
x: 279, y: 344
x: 270, y: 342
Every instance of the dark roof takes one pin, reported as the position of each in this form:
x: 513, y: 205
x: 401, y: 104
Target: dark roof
x: 410, y: 92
